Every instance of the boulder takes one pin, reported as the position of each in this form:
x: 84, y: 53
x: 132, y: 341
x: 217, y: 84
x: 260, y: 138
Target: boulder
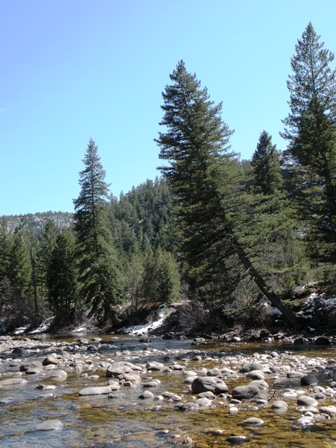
x: 204, y: 384
x: 309, y: 380
x: 245, y: 392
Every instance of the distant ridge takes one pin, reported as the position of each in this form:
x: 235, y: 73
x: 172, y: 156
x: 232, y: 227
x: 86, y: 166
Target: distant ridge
x: 36, y: 221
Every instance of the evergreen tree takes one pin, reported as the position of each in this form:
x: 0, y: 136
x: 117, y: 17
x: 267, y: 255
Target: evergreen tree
x: 4, y: 249
x: 161, y: 282
x: 203, y: 177
x: 99, y: 273
x: 135, y: 274
x: 196, y: 141
x: 266, y: 166
x: 19, y: 269
x: 17, y: 294
x: 310, y: 129
x: 62, y: 279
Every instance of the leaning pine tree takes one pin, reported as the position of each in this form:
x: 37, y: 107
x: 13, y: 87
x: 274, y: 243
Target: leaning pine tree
x: 202, y: 173
x: 99, y: 272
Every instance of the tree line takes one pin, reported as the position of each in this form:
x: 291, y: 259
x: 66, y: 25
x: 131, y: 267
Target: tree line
x: 213, y: 228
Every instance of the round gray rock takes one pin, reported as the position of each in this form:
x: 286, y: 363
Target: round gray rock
x: 212, y: 384
x: 245, y: 392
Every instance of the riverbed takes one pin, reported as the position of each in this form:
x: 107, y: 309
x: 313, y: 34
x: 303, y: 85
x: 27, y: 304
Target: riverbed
x: 121, y: 391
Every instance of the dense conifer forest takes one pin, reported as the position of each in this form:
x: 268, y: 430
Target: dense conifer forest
x: 224, y: 234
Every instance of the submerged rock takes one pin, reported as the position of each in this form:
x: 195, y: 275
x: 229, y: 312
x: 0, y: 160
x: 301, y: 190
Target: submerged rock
x: 49, y: 425
x: 13, y: 382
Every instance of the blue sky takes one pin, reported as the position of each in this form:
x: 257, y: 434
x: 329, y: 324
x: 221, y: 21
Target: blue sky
x: 75, y: 69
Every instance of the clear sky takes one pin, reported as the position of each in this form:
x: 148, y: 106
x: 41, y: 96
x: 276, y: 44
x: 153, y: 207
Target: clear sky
x: 75, y: 69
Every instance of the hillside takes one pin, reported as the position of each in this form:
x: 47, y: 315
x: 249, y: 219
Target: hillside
x: 36, y: 221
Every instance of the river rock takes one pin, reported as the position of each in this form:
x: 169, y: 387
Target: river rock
x: 188, y: 406
x: 214, y: 372
x: 45, y: 387
x: 152, y: 383
x: 204, y: 384
x: 286, y: 383
x: 50, y: 360
x: 49, y: 425
x: 253, y: 421
x: 233, y: 410
x: 155, y: 366
x: 208, y: 394
x: 95, y: 390
x: 295, y: 374
x: 309, y: 380
x: 204, y: 403
x: 170, y: 396
x: 13, y: 382
x: 237, y: 440
x: 261, y: 384
x: 118, y: 369
x: 31, y: 366
x: 58, y: 375
x: 245, y: 392
x: 146, y: 394
x: 113, y: 385
x: 96, y: 340
x: 322, y: 340
x: 132, y: 378
x: 255, y: 375
x: 280, y: 406
x: 305, y: 422
x: 329, y: 410
x: 250, y: 366
x: 305, y: 400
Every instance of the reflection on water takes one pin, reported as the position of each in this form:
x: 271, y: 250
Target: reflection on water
x: 127, y: 421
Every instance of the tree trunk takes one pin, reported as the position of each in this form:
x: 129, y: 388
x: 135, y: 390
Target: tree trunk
x: 261, y: 284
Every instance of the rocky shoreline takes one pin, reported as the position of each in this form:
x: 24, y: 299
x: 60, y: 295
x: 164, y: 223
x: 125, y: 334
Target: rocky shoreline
x: 238, y: 384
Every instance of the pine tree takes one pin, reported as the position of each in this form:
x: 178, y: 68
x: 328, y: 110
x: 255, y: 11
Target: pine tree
x: 310, y: 129
x: 19, y: 269
x: 202, y: 173
x: 194, y: 143
x: 4, y: 249
x: 266, y: 166
x: 161, y: 280
x: 62, y: 279
x: 99, y: 273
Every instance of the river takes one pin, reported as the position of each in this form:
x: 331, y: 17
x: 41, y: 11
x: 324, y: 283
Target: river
x: 123, y: 419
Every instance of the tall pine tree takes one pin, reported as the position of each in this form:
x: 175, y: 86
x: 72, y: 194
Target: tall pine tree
x: 195, y: 143
x: 310, y: 130
x: 98, y: 265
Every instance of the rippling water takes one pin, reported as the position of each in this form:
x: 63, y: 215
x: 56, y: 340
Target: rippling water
x: 127, y: 421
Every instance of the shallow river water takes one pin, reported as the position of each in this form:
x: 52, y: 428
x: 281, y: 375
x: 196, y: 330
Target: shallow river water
x: 125, y: 420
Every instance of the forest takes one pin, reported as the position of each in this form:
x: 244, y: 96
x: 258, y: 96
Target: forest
x: 223, y: 234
